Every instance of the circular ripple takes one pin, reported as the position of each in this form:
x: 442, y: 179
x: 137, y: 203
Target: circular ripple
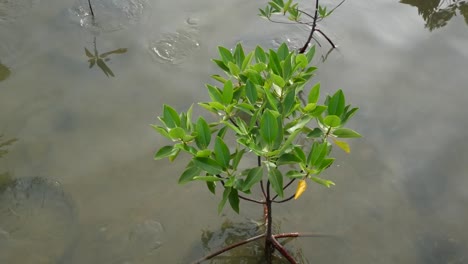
x: 37, y: 221
x: 175, y: 47
x: 110, y: 15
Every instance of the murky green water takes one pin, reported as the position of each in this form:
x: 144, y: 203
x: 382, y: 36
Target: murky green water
x: 83, y: 187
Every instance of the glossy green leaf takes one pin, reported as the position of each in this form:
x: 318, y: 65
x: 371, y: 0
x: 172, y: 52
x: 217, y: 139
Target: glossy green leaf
x: 268, y: 127
x: 205, y: 153
x: 247, y: 60
x: 318, y: 110
x: 228, y: 91
x: 222, y: 154
x: 161, y: 131
x: 207, y: 178
x: 208, y: 165
x: 274, y: 63
x: 289, y: 101
x: 310, y: 54
x: 234, y: 200
x: 276, y: 181
x: 336, y: 104
x: 317, y: 153
x: 254, y: 176
x: 203, y: 133
x: 219, y: 78
x: 164, y: 152
x: 237, y: 158
x: 278, y: 80
x: 177, y: 133
x: 233, y: 69
x: 332, y: 121
x: 346, y: 133
x: 189, y: 174
x: 214, y: 93
x: 301, y: 60
x: 239, y: 55
x: 315, y: 133
x: 226, y: 55
x: 283, y: 51
x: 314, y: 94
x: 260, y: 55
x: 300, y: 153
x: 221, y: 64
x: 288, y: 158
x: 170, y: 117
x: 323, y: 182
x: 294, y: 174
x: 226, y: 193
x: 211, y: 186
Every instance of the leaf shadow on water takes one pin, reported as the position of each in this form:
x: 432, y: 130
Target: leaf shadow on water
x: 4, y: 72
x: 437, y: 13
x: 100, y: 59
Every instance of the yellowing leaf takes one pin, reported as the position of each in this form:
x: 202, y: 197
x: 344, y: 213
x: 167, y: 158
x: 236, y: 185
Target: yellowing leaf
x: 301, y: 187
x: 343, y: 145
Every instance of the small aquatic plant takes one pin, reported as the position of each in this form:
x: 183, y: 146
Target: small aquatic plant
x: 262, y: 115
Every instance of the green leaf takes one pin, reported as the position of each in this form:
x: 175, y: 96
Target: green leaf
x: 208, y: 165
x: 228, y: 92
x: 211, y: 186
x: 177, y: 133
x: 170, y: 117
x: 283, y: 51
x: 336, y: 104
x: 276, y: 180
x: 164, y: 152
x: 189, y: 174
x: 301, y: 61
x: 260, y: 55
x: 287, y: 67
x: 161, y: 131
x: 346, y: 133
x: 222, y: 132
x: 314, y: 94
x: 237, y: 157
x: 274, y: 63
x: 214, y: 93
x: 218, y: 78
x: 221, y: 65
x: 233, y: 69
x: 226, y: 55
x: 205, y: 153
x: 226, y: 193
x: 323, y: 182
x: 272, y: 100
x: 278, y: 80
x: 289, y: 101
x: 288, y: 158
x: 294, y: 174
x: 315, y: 133
x: 317, y: 153
x: 234, y: 200
x: 222, y: 153
x: 269, y: 127
x: 247, y: 60
x: 332, y: 121
x: 239, y: 55
x: 310, y: 54
x: 203, y: 133
x: 207, y: 178
x: 319, y: 109
x: 254, y: 176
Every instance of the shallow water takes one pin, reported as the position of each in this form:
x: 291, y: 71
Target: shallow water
x: 400, y: 196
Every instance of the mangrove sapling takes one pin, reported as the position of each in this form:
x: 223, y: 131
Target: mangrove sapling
x: 290, y: 137
x: 263, y: 85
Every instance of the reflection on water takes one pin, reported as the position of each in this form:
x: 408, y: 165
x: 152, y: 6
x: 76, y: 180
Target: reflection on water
x: 11, y: 10
x: 437, y: 13
x: 110, y: 15
x: 101, y: 59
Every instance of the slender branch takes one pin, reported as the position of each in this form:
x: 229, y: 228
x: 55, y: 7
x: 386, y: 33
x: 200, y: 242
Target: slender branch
x: 303, y: 49
x: 282, y: 250
x: 250, y: 200
x: 338, y: 5
x: 326, y: 37
x: 284, y: 188
x: 285, y: 200
x: 91, y: 8
x: 305, y: 13
x: 297, y: 234
x: 214, y: 254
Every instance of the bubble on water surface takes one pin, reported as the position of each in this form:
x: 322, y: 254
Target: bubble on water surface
x: 109, y: 15
x: 37, y: 221
x: 175, y: 47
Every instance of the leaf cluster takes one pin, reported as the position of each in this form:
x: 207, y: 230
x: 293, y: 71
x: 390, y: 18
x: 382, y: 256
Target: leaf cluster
x: 292, y: 10
x: 257, y: 103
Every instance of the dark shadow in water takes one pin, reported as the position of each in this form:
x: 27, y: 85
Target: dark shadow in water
x: 251, y: 253
x: 440, y: 249
x: 4, y: 72
x: 100, y: 59
x: 5, y: 178
x: 437, y: 13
